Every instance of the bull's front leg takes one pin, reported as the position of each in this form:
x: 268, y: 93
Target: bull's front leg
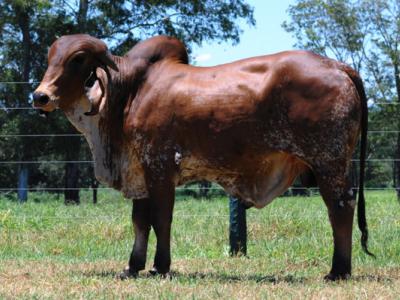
x: 141, y: 224
x: 162, y: 201
x: 159, y: 171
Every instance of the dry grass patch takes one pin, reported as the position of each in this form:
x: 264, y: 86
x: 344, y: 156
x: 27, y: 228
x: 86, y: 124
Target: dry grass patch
x: 238, y: 278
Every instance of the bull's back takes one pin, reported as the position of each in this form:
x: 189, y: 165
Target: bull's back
x: 258, y: 103
x: 248, y: 88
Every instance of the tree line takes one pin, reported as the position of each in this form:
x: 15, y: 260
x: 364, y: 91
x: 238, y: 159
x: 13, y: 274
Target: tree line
x: 362, y: 33
x: 366, y: 35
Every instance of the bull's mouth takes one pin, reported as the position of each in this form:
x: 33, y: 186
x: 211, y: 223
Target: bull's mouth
x: 49, y: 107
x: 40, y: 110
x: 44, y: 109
x: 43, y: 113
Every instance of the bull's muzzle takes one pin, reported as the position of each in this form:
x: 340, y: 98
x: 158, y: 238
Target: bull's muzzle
x: 40, y: 99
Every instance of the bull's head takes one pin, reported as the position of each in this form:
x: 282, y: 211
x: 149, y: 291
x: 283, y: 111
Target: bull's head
x: 77, y: 66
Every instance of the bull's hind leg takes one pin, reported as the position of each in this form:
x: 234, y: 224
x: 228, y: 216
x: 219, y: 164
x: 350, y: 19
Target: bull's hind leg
x: 141, y: 225
x: 337, y: 194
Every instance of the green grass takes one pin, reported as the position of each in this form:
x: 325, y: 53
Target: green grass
x: 48, y: 250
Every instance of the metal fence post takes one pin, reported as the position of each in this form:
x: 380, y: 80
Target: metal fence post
x: 237, y: 227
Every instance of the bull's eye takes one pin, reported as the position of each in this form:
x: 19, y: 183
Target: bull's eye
x: 77, y: 60
x: 89, y: 82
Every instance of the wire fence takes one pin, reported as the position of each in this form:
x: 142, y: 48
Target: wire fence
x: 81, y: 135
x: 49, y: 189
x: 90, y: 162
x: 110, y: 217
x: 27, y: 162
x: 192, y: 188
x: 4, y: 108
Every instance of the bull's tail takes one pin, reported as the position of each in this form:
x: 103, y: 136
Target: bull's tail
x: 362, y: 221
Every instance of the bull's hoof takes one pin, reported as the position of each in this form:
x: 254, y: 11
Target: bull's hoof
x: 127, y: 274
x: 155, y: 272
x: 336, y: 277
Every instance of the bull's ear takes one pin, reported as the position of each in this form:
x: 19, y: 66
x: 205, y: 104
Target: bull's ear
x: 107, y: 60
x: 97, y: 91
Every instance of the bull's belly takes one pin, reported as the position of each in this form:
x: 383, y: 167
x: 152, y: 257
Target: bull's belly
x: 257, y: 182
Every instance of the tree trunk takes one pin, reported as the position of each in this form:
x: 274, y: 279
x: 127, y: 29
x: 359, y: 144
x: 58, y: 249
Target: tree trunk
x: 94, y: 188
x: 82, y: 15
x: 71, y: 191
x: 71, y: 188
x: 397, y: 152
x: 397, y: 166
x: 204, y: 188
x: 94, y: 185
x: 23, y: 20
x: 23, y: 184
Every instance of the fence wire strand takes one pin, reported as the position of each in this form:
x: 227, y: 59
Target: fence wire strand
x: 81, y: 135
x: 30, y: 108
x: 15, y: 162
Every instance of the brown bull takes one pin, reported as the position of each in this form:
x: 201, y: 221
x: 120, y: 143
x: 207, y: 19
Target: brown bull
x: 154, y: 122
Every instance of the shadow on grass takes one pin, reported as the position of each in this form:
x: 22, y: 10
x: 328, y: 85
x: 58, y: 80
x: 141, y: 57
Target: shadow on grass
x: 373, y: 277
x: 220, y: 277
x: 231, y: 278
x: 103, y: 274
x: 226, y: 278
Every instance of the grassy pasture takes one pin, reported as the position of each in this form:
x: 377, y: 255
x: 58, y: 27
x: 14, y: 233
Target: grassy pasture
x: 48, y: 250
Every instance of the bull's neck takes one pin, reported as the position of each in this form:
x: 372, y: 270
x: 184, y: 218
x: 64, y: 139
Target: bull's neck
x: 106, y: 164
x: 104, y: 131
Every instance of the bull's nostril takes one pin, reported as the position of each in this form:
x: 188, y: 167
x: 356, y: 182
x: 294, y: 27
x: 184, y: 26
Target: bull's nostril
x: 40, y: 98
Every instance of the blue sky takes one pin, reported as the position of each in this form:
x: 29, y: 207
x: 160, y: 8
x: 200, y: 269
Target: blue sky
x: 266, y: 37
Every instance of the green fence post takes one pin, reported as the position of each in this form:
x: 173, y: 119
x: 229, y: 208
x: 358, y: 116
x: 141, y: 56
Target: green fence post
x: 237, y: 227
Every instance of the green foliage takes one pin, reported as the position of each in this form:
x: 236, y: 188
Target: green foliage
x: 364, y: 34
x: 192, y: 21
x: 330, y: 26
